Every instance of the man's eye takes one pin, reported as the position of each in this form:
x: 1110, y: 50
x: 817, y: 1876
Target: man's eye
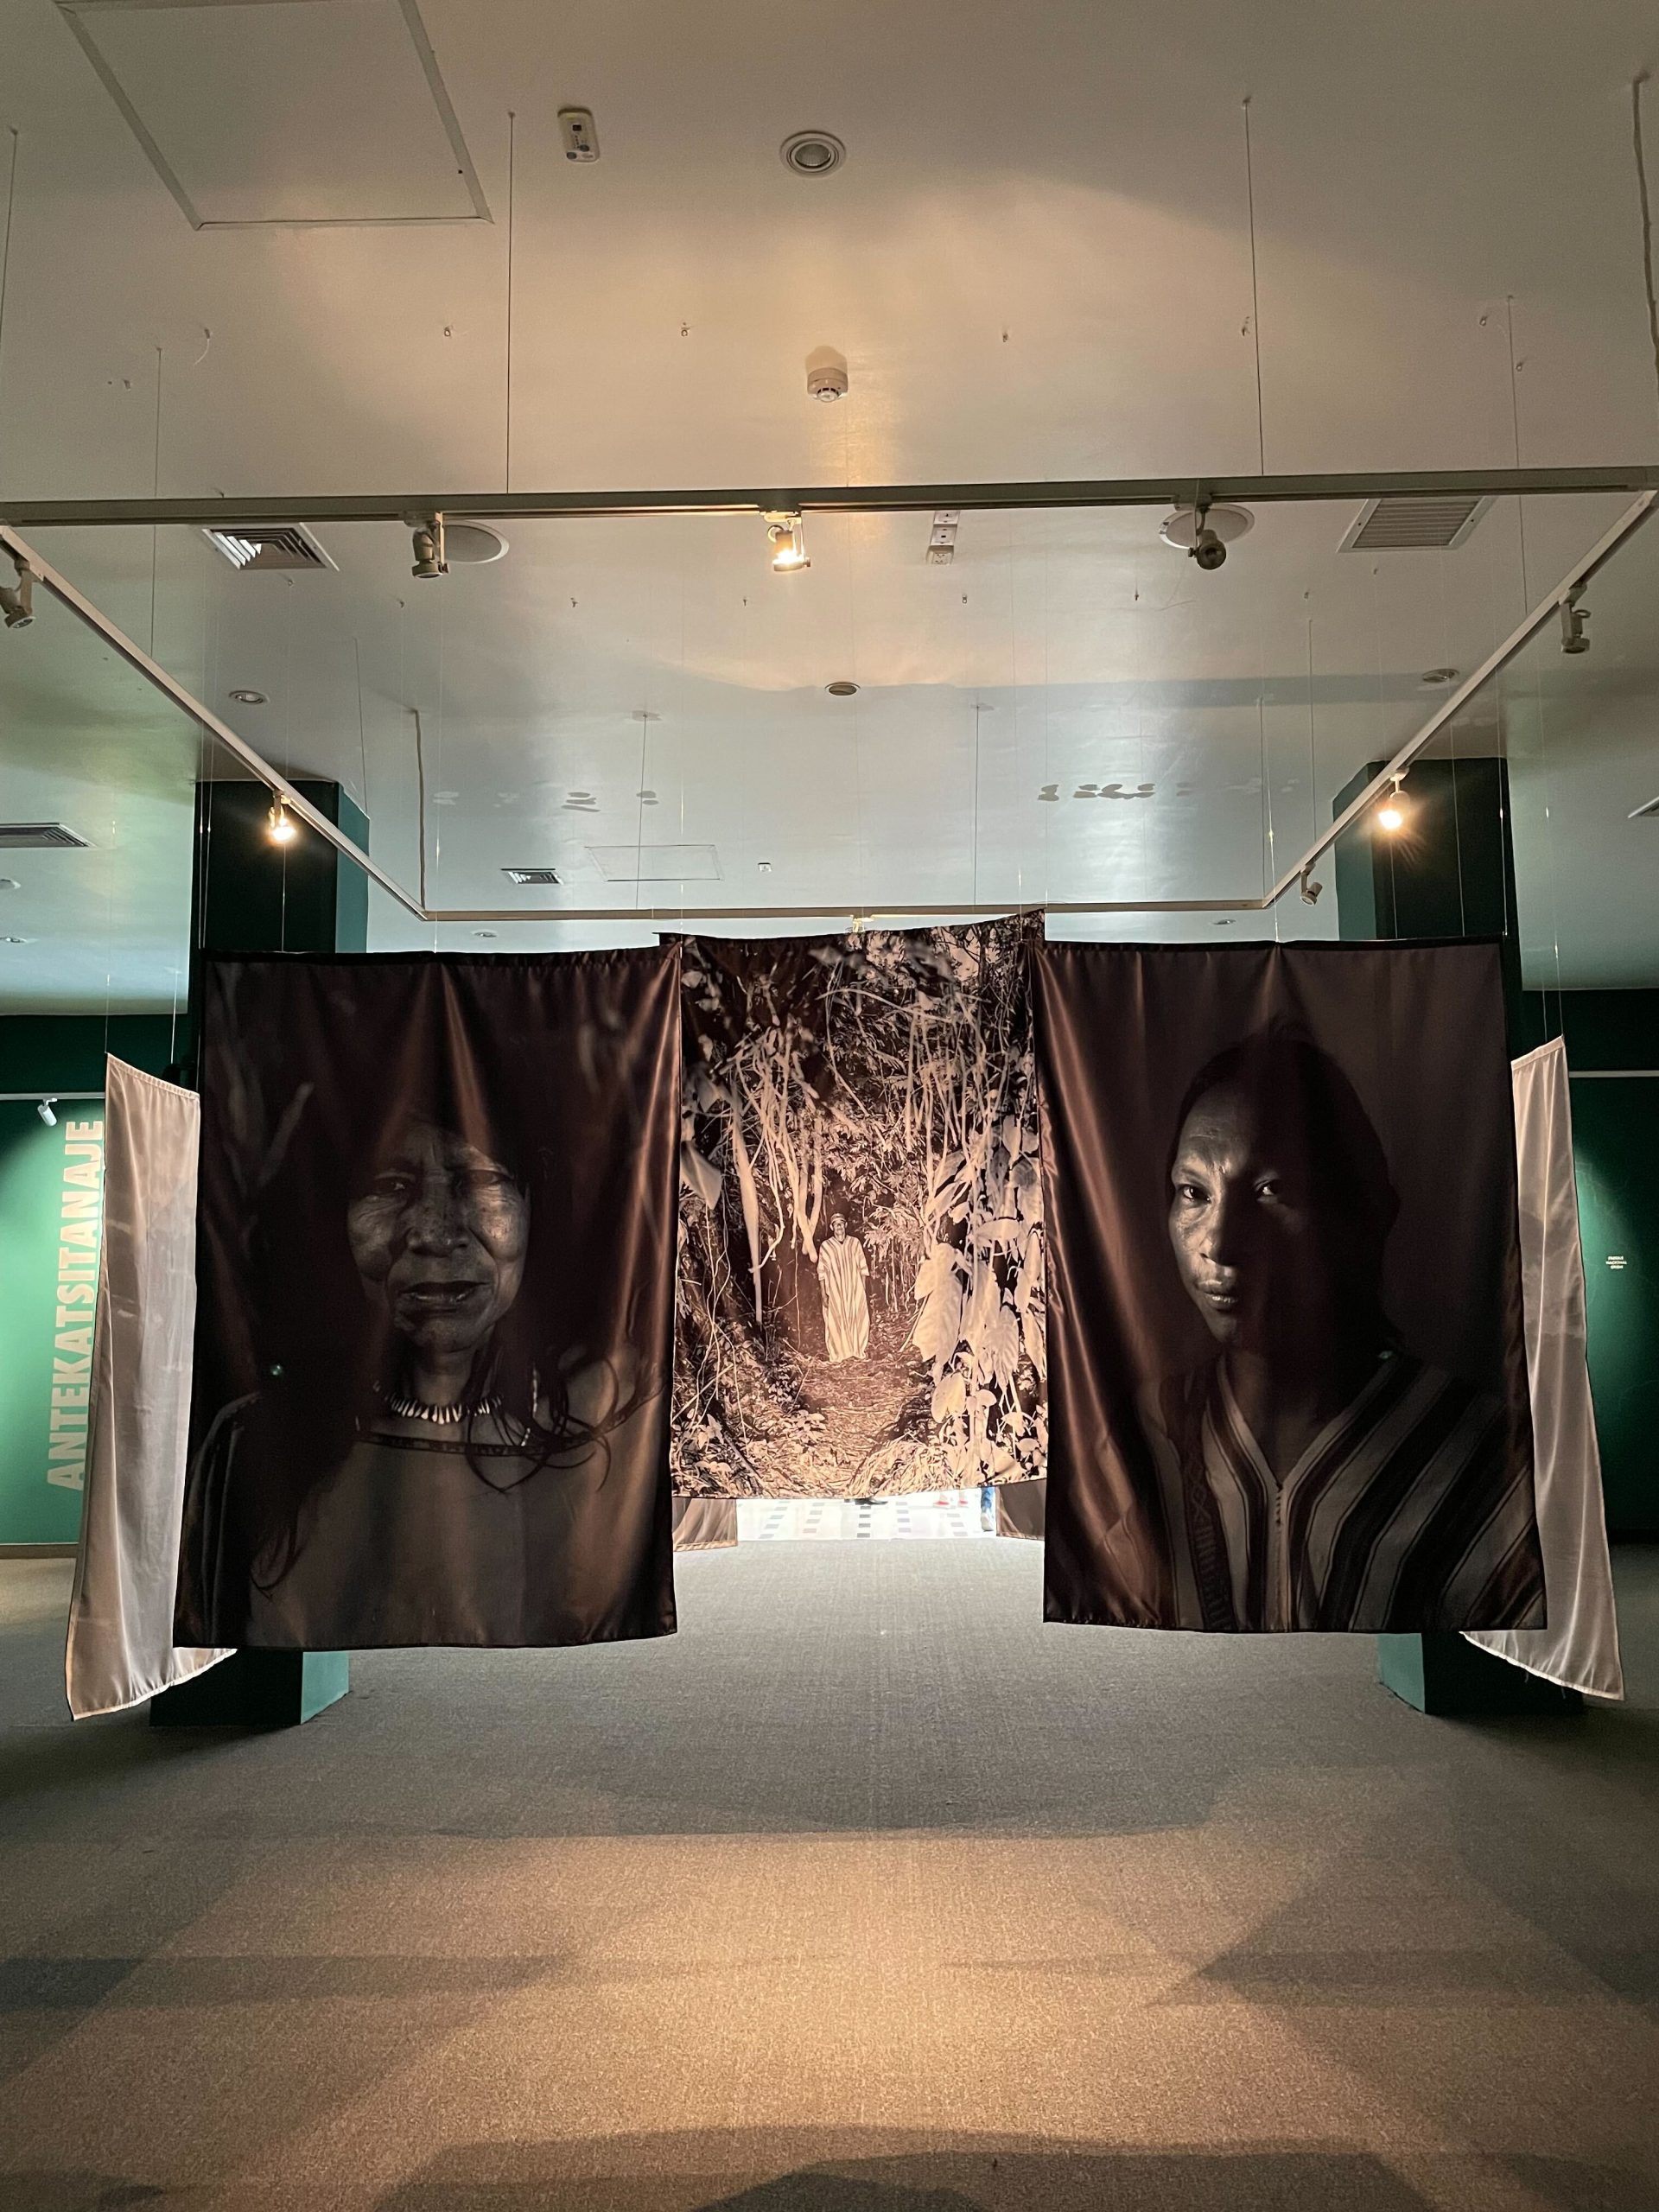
x: 1270, y: 1188
x: 1194, y: 1194
x: 393, y: 1186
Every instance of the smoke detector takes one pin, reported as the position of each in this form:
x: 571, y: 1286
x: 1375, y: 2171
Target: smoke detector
x: 826, y: 375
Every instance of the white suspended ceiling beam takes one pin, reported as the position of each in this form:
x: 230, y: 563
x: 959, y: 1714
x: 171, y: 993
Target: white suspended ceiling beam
x: 835, y: 498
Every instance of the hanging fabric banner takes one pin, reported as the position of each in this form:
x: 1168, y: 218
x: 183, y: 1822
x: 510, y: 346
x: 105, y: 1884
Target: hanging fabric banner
x: 436, y: 1264
x: 120, y: 1648
x: 1579, y: 1648
x: 861, y: 1292
x: 1289, y: 1384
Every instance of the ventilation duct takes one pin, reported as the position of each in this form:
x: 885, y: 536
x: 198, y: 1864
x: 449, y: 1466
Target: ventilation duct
x: 39, y: 836
x: 1429, y: 522
x: 258, y: 545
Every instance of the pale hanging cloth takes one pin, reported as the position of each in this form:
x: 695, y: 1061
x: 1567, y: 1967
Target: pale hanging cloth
x: 1579, y: 1648
x: 120, y: 1648
x: 842, y: 1273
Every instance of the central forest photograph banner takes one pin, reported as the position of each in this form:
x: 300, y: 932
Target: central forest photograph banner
x: 861, y: 1279
x: 435, y: 1268
x: 1286, y: 1343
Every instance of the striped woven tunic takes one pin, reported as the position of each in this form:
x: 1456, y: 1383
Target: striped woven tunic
x: 1405, y: 1512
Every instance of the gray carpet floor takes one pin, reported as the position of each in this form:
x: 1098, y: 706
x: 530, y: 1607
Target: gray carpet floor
x: 867, y: 1893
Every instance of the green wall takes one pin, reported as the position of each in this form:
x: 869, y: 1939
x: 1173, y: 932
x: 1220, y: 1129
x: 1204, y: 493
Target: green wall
x: 51, y: 1196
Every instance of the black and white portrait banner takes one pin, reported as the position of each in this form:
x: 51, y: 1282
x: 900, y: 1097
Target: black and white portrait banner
x: 1287, y: 1370
x: 860, y: 1291
x: 436, y: 1265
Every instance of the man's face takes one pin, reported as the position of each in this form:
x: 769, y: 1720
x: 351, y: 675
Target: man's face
x: 440, y: 1236
x: 1253, y: 1240
x: 838, y: 1228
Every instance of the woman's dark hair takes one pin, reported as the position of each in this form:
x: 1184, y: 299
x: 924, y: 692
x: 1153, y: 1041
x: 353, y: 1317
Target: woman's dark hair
x: 1299, y: 1088
x: 327, y: 1354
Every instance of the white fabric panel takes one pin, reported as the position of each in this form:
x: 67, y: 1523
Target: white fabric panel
x: 1579, y: 1648
x: 120, y: 1648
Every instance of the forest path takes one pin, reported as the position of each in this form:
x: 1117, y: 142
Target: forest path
x: 860, y: 1402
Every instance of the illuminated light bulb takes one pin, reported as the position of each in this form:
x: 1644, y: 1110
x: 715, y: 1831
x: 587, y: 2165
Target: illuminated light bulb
x: 788, y: 544
x: 1391, y: 816
x: 278, y: 828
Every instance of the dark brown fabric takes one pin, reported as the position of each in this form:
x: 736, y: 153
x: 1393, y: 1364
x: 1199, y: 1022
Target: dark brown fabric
x: 427, y: 1182
x: 1280, y: 1190
x: 1021, y: 1509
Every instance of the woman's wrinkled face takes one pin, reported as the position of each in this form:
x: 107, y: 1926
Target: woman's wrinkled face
x: 440, y: 1236
x: 1255, y: 1241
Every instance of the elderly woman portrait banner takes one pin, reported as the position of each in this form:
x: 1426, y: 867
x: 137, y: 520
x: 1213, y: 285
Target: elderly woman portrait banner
x: 1288, y: 1377
x: 434, y: 1345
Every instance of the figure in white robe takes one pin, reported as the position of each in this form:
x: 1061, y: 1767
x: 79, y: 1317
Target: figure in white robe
x: 842, y: 1273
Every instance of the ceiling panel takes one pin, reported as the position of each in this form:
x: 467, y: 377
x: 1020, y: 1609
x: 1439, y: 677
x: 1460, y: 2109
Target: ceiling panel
x: 281, y: 110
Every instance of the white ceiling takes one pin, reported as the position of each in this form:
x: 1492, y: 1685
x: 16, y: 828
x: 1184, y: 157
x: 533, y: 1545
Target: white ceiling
x: 1037, y: 261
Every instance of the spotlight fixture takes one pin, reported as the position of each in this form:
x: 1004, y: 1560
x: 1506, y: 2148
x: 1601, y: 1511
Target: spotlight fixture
x: 44, y: 1110
x: 278, y: 828
x: 1204, y: 532
x: 788, y: 543
x: 812, y: 153
x: 18, y: 602
x: 1573, y: 618
x: 430, y: 561
x: 1391, y: 815
x: 1309, y: 889
x: 250, y: 698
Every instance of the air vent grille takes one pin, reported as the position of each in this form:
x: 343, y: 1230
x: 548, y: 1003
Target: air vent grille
x: 532, y: 875
x: 1428, y: 523
x: 258, y: 545
x: 39, y: 836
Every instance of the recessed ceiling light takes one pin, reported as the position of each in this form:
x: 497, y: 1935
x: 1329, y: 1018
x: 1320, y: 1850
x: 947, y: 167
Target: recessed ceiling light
x: 812, y: 153
x: 251, y: 698
x: 843, y: 688
x: 469, y: 545
x: 484, y: 932
x: 1439, y: 676
x: 765, y: 867
x: 16, y: 940
x: 8, y: 883
x: 1182, y: 528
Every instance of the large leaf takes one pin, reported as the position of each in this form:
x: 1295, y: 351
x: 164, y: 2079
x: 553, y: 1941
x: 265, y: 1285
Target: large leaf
x: 938, y: 1325
x: 950, y: 1395
x: 996, y: 1348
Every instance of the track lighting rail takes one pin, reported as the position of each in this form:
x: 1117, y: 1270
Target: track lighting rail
x: 828, y: 499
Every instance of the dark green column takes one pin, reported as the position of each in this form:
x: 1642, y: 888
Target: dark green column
x: 1448, y: 873
x: 253, y: 896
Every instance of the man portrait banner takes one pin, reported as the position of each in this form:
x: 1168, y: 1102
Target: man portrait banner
x: 1286, y: 1353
